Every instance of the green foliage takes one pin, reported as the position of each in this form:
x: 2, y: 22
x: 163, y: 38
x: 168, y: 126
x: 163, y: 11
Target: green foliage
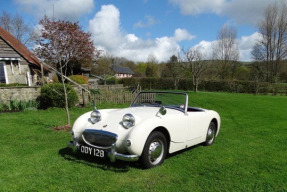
x: 13, y: 85
x: 152, y: 70
x: 103, y: 66
x: 15, y: 105
x: 242, y: 73
x: 156, y: 83
x: 110, y: 80
x: 80, y: 79
x: 52, y: 95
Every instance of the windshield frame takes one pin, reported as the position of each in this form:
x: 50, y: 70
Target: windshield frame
x: 163, y: 92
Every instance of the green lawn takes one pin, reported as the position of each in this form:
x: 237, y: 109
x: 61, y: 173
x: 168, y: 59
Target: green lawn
x: 249, y: 154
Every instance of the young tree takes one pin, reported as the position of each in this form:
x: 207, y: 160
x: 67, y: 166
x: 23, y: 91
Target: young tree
x: 225, y: 51
x: 271, y: 48
x: 196, y: 65
x: 61, y: 42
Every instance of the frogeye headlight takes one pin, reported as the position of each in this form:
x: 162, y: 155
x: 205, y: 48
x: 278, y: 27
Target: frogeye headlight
x: 128, y: 121
x: 95, y: 116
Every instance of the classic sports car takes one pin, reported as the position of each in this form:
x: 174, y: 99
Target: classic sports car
x: 156, y: 123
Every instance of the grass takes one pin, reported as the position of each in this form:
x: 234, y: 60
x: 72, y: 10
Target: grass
x: 249, y: 154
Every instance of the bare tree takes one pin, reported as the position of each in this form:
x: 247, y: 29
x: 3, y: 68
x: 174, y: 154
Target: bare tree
x: 17, y: 27
x: 225, y: 51
x: 271, y: 48
x: 61, y: 42
x: 5, y: 21
x: 196, y: 65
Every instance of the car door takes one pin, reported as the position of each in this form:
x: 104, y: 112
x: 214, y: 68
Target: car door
x: 197, y: 127
x: 176, y: 123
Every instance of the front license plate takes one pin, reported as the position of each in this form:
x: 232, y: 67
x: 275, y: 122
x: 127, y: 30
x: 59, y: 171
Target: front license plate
x: 92, y: 151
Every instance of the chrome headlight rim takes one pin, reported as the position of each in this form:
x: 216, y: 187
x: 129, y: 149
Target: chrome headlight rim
x: 128, y: 121
x: 95, y: 116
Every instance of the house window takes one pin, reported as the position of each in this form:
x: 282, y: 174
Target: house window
x: 2, y: 73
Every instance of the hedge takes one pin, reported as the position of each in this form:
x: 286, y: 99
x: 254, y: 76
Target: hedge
x: 211, y: 85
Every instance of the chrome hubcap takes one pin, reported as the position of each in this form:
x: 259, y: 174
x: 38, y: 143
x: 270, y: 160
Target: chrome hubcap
x: 210, y: 135
x: 155, y: 151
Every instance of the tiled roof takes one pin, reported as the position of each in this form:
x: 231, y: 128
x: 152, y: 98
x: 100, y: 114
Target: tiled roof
x: 19, y: 47
x: 122, y: 70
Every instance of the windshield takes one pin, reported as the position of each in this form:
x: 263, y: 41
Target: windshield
x: 167, y: 99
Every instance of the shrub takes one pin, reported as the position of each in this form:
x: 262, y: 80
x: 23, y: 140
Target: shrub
x: 80, y: 79
x: 52, y: 95
x: 15, y: 105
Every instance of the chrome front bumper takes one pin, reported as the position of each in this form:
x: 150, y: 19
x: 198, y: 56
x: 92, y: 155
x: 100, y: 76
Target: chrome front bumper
x: 112, y: 154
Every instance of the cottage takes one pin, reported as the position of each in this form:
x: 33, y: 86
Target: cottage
x: 122, y: 72
x: 17, y: 63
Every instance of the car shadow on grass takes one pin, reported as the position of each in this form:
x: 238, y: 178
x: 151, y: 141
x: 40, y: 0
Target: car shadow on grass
x: 119, y: 166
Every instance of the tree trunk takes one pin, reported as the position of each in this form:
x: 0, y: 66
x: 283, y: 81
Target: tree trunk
x: 66, y: 97
x: 175, y: 84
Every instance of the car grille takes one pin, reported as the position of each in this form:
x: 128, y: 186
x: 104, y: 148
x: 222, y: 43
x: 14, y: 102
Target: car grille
x: 97, y: 138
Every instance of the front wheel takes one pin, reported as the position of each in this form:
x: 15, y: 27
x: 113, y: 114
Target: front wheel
x: 210, y: 136
x: 154, y: 151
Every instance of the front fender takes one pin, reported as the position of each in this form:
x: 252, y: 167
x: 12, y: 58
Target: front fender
x: 139, y: 134
x: 81, y: 124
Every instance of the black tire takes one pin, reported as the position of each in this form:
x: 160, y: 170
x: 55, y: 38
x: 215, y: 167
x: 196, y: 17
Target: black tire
x: 210, y: 135
x: 154, y: 151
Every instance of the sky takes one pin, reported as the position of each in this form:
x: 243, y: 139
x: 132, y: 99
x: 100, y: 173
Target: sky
x: 138, y: 29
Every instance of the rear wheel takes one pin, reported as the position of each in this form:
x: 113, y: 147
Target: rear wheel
x: 210, y: 136
x: 154, y: 151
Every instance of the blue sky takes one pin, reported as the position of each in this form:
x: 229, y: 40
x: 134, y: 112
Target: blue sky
x: 136, y: 29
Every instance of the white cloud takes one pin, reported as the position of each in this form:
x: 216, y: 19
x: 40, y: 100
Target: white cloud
x: 182, y: 34
x: 245, y: 45
x: 242, y: 11
x: 107, y: 35
x: 105, y: 27
x: 150, y: 21
x: 131, y: 38
x: 62, y: 9
x: 205, y: 47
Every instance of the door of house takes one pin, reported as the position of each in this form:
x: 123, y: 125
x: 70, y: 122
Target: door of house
x: 2, y: 73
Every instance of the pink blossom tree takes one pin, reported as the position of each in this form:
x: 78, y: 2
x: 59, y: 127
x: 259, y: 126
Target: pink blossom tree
x: 62, y: 42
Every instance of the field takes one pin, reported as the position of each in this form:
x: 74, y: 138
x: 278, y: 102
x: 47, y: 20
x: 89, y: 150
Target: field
x: 249, y: 154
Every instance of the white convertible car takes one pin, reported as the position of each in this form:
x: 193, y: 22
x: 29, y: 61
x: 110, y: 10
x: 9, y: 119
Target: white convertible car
x: 155, y: 124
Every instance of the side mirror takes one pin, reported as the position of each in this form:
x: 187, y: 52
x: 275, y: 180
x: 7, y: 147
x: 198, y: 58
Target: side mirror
x: 162, y: 110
